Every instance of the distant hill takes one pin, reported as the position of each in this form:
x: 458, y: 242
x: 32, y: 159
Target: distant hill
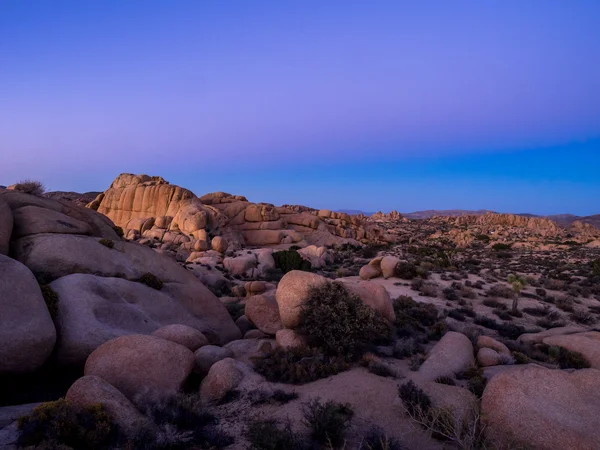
x: 444, y: 212
x: 354, y: 212
x: 75, y: 197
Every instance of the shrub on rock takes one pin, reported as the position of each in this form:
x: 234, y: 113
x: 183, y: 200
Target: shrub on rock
x: 288, y: 260
x: 152, y: 281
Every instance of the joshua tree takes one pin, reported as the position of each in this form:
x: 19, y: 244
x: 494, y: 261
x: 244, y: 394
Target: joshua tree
x: 518, y: 283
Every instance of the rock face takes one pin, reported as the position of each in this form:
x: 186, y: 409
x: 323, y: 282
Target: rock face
x: 588, y: 344
x: 292, y: 293
x: 27, y: 333
x: 90, y: 390
x: 183, y: 335
x: 369, y: 271
x: 208, y: 355
x: 388, y: 266
x: 451, y: 355
x: 136, y: 364
x: 373, y: 295
x: 222, y: 377
x: 263, y: 313
x: 6, y: 226
x: 544, y: 409
x: 93, y: 310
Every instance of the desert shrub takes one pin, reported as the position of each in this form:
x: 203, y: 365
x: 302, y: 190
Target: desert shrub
x: 51, y: 299
x: 406, y: 347
x: 538, y: 311
x: 500, y: 290
x: 594, y: 309
x: 413, y: 398
x: 486, y: 322
x: 152, y: 281
x: 272, y: 435
x: 273, y: 274
x: 62, y: 423
x: 476, y: 382
x: 280, y: 397
x: 376, y: 439
x: 553, y: 320
x: 456, y: 314
x: 288, y: 260
x: 493, y: 303
x: 451, y: 294
x: 415, y: 362
x: 501, y: 247
x: 567, y: 359
x: 583, y: 317
x: 405, y: 271
x: 510, y: 330
x: 565, y: 303
x: 446, y: 380
x: 327, y: 421
x: 412, y: 316
x: 502, y: 313
x: 339, y: 323
x: 520, y: 358
x: 429, y: 290
x: 540, y: 292
x: 283, y: 397
x: 119, y: 231
x: 298, y: 365
x: 108, y: 243
x: 473, y: 333
x: 437, y: 330
x: 30, y: 187
x: 180, y: 422
x: 483, y: 238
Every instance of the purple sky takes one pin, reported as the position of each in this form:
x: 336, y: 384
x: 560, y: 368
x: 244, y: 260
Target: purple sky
x: 274, y: 100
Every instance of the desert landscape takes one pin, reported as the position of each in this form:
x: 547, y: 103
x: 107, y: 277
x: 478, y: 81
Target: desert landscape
x: 153, y: 318
x: 299, y: 225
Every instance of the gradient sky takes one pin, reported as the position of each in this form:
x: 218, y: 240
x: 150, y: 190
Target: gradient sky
x: 341, y: 104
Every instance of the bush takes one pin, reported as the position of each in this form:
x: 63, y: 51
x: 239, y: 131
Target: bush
x: 445, y: 380
x: 119, y: 231
x: 152, y: 281
x: 328, y: 421
x: 405, y: 271
x: 377, y: 367
x: 272, y: 435
x: 30, y: 187
x: 500, y: 290
x: 501, y: 247
x: 412, y: 317
x: 565, y: 303
x: 406, y: 347
x: 596, y: 268
x: 298, y: 365
x: 108, y: 243
x: 538, y: 311
x: 567, y: 359
x: 483, y: 238
x: 583, y: 317
x: 339, y: 322
x: 235, y: 309
x: 51, y: 299
x: 376, y: 439
x: 288, y: 260
x: 62, y: 423
x: 414, y: 399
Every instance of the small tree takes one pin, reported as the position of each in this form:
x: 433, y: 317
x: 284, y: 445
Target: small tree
x: 518, y: 283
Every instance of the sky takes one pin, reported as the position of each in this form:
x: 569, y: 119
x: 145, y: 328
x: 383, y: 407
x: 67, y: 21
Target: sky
x: 379, y: 105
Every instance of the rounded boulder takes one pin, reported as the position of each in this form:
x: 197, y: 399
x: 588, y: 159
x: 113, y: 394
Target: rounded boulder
x: 292, y: 294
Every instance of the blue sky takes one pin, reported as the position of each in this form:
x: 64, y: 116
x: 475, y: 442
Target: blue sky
x: 342, y: 104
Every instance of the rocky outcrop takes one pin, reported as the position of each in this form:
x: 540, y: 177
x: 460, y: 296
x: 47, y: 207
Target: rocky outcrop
x: 543, y: 409
x: 27, y: 334
x: 451, y: 355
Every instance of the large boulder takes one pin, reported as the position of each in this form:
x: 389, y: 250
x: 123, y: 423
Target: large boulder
x: 206, y: 356
x: 27, y: 333
x: 138, y: 364
x: 219, y: 244
x: 388, y: 266
x: 90, y: 390
x: 263, y: 313
x: 369, y: 271
x: 35, y: 220
x: 6, y: 226
x: 544, y: 409
x: 292, y: 293
x: 373, y: 295
x: 451, y: 355
x: 182, y: 334
x: 223, y: 376
x: 588, y: 344
x: 93, y: 310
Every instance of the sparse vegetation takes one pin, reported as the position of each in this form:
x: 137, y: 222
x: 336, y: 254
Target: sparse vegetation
x: 327, y: 421
x: 31, y: 187
x: 152, y: 281
x: 414, y: 398
x: 51, y: 299
x: 272, y: 435
x: 119, y: 231
x: 108, y: 243
x: 288, y: 260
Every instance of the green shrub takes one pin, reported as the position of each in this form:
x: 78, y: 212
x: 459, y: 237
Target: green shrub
x: 446, y: 380
x: 339, y: 322
x: 298, y: 365
x: 108, y: 243
x: 412, y: 317
x: 119, y: 231
x: 567, y: 359
x: 288, y: 260
x: 406, y: 347
x: 62, y: 423
x: 583, y: 317
x: 272, y: 435
x: 414, y: 399
x: 483, y: 238
x: 51, y: 299
x: 501, y: 246
x: 405, y: 271
x: 520, y: 358
x: 328, y: 421
x: 152, y: 281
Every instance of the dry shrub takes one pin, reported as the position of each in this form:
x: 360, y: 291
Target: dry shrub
x: 31, y: 187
